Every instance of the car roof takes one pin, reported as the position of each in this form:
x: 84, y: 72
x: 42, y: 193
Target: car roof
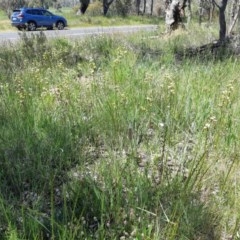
x: 27, y: 8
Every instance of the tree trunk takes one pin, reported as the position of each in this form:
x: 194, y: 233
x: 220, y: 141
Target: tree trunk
x: 173, y: 14
x: 167, y: 3
x: 207, y: 5
x: 144, y: 6
x: 84, y: 5
x: 200, y: 12
x: 234, y: 15
x: 42, y: 3
x: 138, y: 6
x: 233, y: 10
x: 189, y: 10
x: 152, y: 2
x: 106, y: 5
x: 222, y: 21
x: 211, y: 11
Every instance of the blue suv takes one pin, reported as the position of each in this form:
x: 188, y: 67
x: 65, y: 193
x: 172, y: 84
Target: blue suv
x: 33, y: 18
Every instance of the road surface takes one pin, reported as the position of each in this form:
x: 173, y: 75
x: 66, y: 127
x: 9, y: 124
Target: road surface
x: 80, y: 32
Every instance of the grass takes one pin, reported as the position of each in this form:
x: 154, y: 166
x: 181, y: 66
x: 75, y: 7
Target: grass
x: 112, y: 137
x: 93, y: 17
x: 5, y: 24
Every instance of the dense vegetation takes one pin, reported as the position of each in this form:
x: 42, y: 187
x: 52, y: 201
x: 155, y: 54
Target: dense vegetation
x: 115, y: 137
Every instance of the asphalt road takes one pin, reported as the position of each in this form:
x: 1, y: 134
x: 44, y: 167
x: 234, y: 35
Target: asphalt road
x: 80, y: 32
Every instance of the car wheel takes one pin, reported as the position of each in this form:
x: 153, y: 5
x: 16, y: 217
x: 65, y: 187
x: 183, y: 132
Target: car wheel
x: 32, y: 26
x: 60, y: 25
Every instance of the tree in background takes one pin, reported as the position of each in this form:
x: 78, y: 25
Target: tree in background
x: 84, y: 5
x: 234, y: 15
x: 222, y: 4
x: 175, y: 8
x: 205, y: 6
x: 11, y: 4
x: 174, y: 12
x: 8, y: 6
x: 106, y: 5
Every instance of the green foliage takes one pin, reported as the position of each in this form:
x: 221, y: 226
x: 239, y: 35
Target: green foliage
x: 95, y: 9
x: 122, y: 7
x: 112, y: 137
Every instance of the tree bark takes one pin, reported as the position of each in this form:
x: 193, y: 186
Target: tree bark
x: 144, y: 6
x: 211, y: 11
x: 189, y: 10
x: 207, y: 5
x: 174, y: 12
x: 106, y: 5
x: 222, y: 21
x: 138, y: 6
x: 152, y: 2
x: 235, y: 15
x: 42, y: 3
x: 84, y: 5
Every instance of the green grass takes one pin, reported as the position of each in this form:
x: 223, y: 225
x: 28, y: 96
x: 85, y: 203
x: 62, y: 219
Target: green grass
x: 112, y: 137
x: 5, y: 24
x: 94, y: 17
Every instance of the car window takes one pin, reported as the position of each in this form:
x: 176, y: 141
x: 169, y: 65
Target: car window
x: 29, y: 12
x: 38, y: 12
x: 16, y: 12
x: 46, y: 13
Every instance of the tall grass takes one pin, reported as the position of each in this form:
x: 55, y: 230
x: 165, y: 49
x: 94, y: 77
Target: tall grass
x: 113, y: 138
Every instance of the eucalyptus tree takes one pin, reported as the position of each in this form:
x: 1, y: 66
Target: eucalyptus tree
x: 205, y: 6
x: 106, y: 5
x: 174, y: 11
x: 8, y: 5
x: 221, y: 5
x: 84, y: 5
x: 234, y: 14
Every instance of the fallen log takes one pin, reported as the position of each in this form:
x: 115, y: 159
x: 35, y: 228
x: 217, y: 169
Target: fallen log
x: 215, y: 49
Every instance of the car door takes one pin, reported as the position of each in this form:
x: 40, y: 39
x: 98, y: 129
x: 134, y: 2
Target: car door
x: 47, y: 18
x: 33, y: 15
